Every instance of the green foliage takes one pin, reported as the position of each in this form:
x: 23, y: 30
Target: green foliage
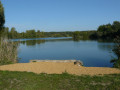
x: 84, y: 35
x: 76, y: 35
x: 2, y: 17
x: 58, y: 34
x: 30, y: 34
x: 105, y: 28
x: 65, y: 81
x: 109, y: 31
x: 116, y: 63
x: 116, y: 25
x: 13, y: 34
x: 116, y: 50
x: 117, y: 47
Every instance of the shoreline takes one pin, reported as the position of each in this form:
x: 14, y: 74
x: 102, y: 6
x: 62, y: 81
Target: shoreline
x: 58, y: 68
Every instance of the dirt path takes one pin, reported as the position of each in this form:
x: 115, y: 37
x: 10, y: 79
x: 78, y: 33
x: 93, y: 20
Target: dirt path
x: 55, y: 67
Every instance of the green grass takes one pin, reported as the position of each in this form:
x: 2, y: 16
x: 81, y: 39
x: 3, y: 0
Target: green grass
x: 30, y: 81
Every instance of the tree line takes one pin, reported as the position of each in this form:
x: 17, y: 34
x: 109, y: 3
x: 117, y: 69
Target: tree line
x: 108, y: 31
x: 13, y: 34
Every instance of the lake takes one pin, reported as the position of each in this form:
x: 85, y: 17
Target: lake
x: 92, y: 53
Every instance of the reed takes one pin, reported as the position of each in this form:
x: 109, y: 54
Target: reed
x: 8, y: 51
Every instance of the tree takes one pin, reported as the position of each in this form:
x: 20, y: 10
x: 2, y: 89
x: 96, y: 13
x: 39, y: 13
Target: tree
x: 38, y: 34
x: 13, y: 33
x: 105, y: 28
x: 101, y: 28
x: 30, y: 34
x: 116, y: 25
x: 110, y: 31
x: 22, y: 35
x: 6, y: 32
x: 116, y: 50
x: 2, y: 17
x: 76, y: 35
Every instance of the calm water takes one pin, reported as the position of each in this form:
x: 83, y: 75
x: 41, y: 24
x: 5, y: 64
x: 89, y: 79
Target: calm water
x: 91, y: 53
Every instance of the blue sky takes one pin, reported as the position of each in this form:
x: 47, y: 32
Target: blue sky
x: 60, y: 15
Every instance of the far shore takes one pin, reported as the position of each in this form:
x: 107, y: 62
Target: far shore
x: 59, y: 68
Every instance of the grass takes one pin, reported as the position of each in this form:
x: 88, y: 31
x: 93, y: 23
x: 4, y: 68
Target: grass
x: 30, y: 81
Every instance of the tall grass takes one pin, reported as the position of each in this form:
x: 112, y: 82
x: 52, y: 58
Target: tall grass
x: 8, y: 51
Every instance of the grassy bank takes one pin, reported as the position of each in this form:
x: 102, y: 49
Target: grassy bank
x: 31, y: 81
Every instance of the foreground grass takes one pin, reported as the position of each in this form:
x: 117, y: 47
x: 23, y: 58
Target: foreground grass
x: 30, y: 81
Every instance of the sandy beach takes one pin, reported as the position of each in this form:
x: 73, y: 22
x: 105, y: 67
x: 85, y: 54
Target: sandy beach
x: 58, y: 68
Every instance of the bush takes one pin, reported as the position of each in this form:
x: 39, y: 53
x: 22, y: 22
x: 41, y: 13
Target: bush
x: 116, y: 50
x: 8, y: 52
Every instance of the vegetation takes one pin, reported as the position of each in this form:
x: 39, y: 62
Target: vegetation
x: 8, y: 52
x: 76, y: 35
x: 31, y: 81
x: 13, y: 34
x: 2, y: 17
x: 108, y: 31
x: 8, y: 49
x: 84, y: 35
x: 116, y: 50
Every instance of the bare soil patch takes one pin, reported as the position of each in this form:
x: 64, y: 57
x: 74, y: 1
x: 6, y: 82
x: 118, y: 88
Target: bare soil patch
x: 59, y: 68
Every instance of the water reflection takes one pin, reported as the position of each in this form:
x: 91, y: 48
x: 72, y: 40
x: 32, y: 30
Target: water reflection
x: 106, y: 46
x: 35, y: 42
x: 31, y: 42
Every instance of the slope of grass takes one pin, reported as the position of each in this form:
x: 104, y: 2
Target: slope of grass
x: 30, y: 81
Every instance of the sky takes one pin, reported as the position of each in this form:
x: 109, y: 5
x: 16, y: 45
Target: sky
x: 60, y: 15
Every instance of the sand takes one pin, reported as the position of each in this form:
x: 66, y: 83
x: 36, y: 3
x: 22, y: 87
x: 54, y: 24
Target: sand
x: 59, y: 68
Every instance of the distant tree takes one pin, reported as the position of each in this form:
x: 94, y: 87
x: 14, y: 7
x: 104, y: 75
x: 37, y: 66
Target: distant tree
x: 13, y: 33
x: 38, y: 34
x: 76, y: 35
x: 42, y: 34
x: 2, y: 17
x: 116, y: 25
x: 22, y: 35
x: 105, y: 28
x: 30, y: 34
x: 109, y: 31
x: 94, y: 35
x: 33, y: 33
x: 101, y: 28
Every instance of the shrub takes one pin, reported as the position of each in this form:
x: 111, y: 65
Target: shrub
x: 8, y: 52
x: 116, y: 50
